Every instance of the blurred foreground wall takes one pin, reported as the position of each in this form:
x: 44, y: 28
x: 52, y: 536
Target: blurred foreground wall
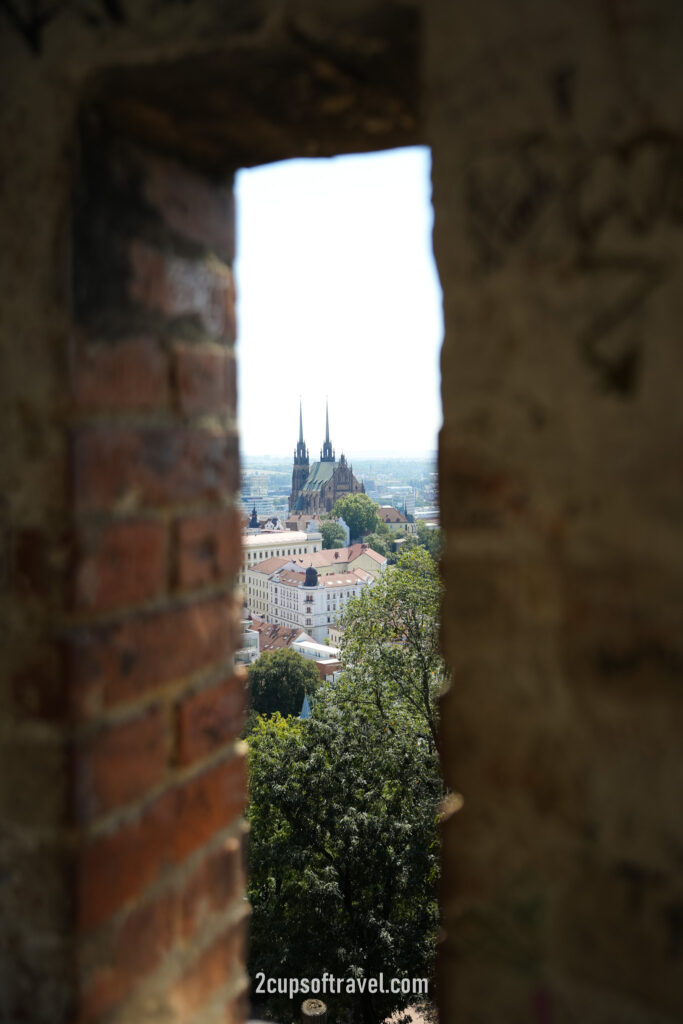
x: 558, y: 194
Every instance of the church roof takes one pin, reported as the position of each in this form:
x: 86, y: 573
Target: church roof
x: 318, y: 475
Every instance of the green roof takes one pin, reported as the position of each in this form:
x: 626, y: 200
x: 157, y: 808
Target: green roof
x: 319, y: 474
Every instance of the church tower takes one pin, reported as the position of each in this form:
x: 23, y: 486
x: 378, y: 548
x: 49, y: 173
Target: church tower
x: 327, y: 452
x: 300, y: 471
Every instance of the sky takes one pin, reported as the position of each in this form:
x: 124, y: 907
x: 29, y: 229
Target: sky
x: 338, y: 297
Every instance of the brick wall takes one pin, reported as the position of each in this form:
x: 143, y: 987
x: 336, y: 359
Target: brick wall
x: 556, y: 139
x: 150, y: 706
x: 157, y: 780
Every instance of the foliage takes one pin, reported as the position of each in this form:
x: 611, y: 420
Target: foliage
x: 334, y: 535
x: 343, y: 854
x: 390, y: 644
x: 430, y: 539
x: 358, y: 512
x: 278, y: 680
x: 377, y: 543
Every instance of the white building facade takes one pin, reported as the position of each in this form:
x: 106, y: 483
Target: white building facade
x: 312, y: 602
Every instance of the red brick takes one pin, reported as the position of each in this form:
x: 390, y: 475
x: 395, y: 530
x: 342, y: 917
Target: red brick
x: 120, y: 564
x: 179, y: 287
x: 213, y: 968
x: 219, y: 880
x: 135, y: 950
x: 211, y: 718
x: 208, y: 803
x: 120, y: 764
x: 130, y: 469
x: 161, y: 927
x: 205, y: 380
x: 198, y: 208
x: 115, y: 663
x: 208, y: 549
x: 118, y: 867
x: 129, y: 376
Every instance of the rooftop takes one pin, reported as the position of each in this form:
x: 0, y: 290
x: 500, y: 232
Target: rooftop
x: 319, y: 474
x: 269, y: 565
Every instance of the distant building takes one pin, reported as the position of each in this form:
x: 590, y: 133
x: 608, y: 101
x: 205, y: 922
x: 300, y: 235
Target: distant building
x: 301, y: 521
x: 249, y: 649
x: 264, y: 506
x: 273, y: 637
x: 317, y: 486
x: 257, y: 547
x: 326, y: 657
x: 256, y: 580
x: 256, y: 484
x: 334, y: 560
x: 395, y: 519
x: 310, y: 601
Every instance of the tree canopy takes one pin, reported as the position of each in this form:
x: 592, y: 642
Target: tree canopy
x: 343, y: 855
x: 333, y: 534
x: 378, y: 543
x: 390, y: 644
x: 278, y: 681
x: 358, y: 512
x: 343, y: 852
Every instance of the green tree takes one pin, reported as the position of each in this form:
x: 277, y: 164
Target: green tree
x: 278, y: 680
x: 359, y: 513
x: 378, y: 543
x: 431, y: 539
x: 333, y: 534
x: 343, y: 855
x: 390, y: 645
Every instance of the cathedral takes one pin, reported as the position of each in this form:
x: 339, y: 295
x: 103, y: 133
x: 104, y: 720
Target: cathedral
x: 317, y: 486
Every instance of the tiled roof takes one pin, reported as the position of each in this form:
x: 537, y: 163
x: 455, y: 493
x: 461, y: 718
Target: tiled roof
x: 334, y: 556
x: 389, y: 514
x: 336, y: 579
x: 294, y: 578
x: 318, y: 475
x: 300, y: 520
x: 272, y: 636
x: 269, y: 565
x: 356, y: 550
x: 291, y: 577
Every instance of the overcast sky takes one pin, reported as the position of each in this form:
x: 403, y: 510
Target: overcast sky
x: 338, y: 296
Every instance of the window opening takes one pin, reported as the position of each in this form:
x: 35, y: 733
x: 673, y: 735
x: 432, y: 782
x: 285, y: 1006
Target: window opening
x: 352, y: 321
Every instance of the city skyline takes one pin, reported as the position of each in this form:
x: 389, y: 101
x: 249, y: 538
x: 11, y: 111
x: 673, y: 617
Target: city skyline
x: 332, y: 255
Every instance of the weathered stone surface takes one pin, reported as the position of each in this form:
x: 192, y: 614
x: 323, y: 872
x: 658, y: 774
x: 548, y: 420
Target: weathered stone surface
x: 556, y: 139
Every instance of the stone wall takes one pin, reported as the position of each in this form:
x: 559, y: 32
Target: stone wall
x: 558, y: 176
x: 556, y: 139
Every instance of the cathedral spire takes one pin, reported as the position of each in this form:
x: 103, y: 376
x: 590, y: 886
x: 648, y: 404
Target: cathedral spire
x: 327, y: 453
x: 301, y: 452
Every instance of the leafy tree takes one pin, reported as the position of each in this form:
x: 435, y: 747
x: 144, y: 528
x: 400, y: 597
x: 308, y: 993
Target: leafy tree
x: 359, y: 513
x: 430, y: 539
x: 377, y: 543
x: 390, y: 645
x: 278, y: 680
x: 333, y: 534
x: 343, y: 855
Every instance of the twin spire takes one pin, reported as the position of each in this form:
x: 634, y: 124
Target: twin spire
x: 327, y: 451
